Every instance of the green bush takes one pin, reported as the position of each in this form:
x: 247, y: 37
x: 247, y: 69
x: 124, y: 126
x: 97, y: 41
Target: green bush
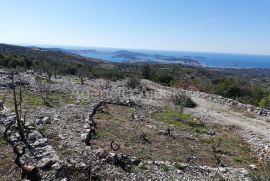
x: 231, y: 88
x: 163, y: 78
x: 265, y: 103
x: 164, y: 167
x: 146, y: 72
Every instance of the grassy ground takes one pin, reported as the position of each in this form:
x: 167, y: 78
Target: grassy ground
x: 34, y: 100
x: 145, y: 139
x: 191, y: 138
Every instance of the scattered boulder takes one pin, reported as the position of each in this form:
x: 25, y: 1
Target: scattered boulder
x: 46, y: 163
x: 123, y: 161
x: 34, y: 136
x: 83, y: 137
x: 43, y: 120
x: 40, y: 142
x: 253, y: 167
x: 212, y: 133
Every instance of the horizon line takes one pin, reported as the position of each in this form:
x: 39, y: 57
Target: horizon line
x: 52, y: 45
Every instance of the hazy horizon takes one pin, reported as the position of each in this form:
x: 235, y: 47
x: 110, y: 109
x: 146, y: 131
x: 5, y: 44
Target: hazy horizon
x: 79, y: 47
x: 237, y: 27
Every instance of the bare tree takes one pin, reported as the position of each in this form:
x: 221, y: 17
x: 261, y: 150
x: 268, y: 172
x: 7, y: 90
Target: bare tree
x: 18, y: 105
x: 43, y: 90
x: 215, y: 146
x: 82, y: 75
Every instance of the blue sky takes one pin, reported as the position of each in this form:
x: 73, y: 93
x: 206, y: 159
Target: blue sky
x: 234, y: 26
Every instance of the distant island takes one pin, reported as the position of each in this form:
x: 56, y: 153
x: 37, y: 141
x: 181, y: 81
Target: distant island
x: 126, y: 56
x: 201, y: 59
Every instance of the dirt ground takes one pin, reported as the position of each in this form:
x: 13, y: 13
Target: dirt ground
x: 146, y: 140
x: 205, y: 135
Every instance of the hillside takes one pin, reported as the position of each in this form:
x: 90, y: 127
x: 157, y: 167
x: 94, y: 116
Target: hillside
x: 40, y: 53
x: 84, y: 119
x: 249, y: 86
x: 127, y: 56
x: 135, y: 134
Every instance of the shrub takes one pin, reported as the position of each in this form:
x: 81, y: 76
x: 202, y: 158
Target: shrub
x: 265, y: 103
x: 146, y: 72
x: 164, y: 167
x: 183, y: 101
x: 133, y: 82
x: 163, y: 79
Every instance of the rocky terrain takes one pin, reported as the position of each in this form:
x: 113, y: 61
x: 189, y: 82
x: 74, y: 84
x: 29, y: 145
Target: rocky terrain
x: 104, y: 130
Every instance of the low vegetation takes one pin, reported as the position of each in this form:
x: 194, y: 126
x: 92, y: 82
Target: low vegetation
x: 188, y: 136
x: 181, y: 120
x: 227, y: 83
x: 32, y: 100
x: 262, y: 173
x: 133, y: 82
x: 265, y: 102
x: 183, y: 101
x: 166, y: 134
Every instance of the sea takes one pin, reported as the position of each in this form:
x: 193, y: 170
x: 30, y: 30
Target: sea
x: 218, y: 60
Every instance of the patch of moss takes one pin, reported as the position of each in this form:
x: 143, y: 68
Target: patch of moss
x: 174, y: 118
x: 164, y: 167
x: 182, y: 120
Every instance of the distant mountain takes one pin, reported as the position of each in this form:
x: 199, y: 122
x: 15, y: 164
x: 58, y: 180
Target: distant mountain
x: 32, y: 53
x: 183, y: 61
x: 129, y: 53
x: 126, y: 56
x: 86, y: 51
x: 137, y: 57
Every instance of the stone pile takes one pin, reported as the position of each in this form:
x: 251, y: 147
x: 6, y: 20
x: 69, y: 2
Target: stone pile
x: 35, y: 152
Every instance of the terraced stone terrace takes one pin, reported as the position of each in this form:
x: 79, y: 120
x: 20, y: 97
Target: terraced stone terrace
x: 106, y: 131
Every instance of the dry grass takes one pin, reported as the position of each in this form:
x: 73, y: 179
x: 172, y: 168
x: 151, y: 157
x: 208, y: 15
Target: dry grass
x: 34, y: 100
x: 132, y: 136
x: 8, y: 169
